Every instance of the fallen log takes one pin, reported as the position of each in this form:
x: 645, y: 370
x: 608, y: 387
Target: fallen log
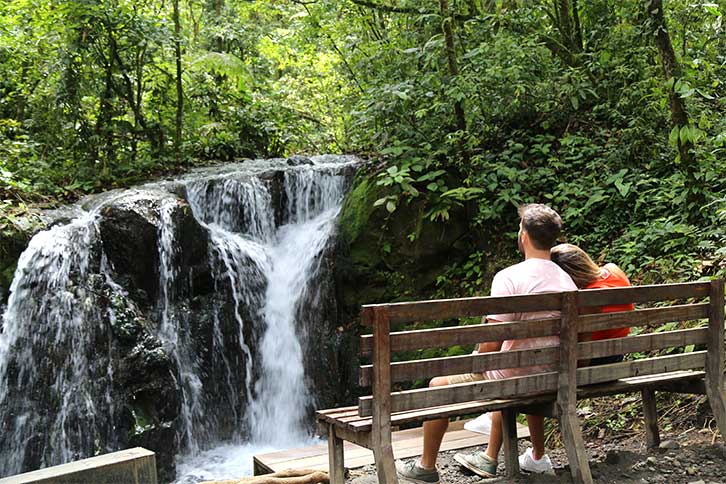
x: 290, y: 476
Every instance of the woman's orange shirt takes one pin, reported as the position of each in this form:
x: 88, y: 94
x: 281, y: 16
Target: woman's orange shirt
x: 615, y: 278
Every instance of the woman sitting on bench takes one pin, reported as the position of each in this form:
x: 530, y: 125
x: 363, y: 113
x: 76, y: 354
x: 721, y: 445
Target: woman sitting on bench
x: 588, y: 275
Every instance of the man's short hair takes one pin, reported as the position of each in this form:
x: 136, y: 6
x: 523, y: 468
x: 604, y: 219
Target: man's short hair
x: 541, y: 223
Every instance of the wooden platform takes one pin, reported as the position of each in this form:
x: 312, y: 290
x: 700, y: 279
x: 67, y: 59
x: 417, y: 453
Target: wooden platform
x: 406, y: 443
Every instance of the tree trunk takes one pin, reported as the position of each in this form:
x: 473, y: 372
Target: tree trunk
x: 671, y: 70
x: 679, y: 113
x: 459, y: 113
x: 577, y: 27
x: 179, y: 87
x: 103, y: 130
x: 565, y: 23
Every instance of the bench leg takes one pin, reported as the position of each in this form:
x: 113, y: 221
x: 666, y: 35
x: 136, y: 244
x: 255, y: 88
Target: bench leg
x: 385, y: 464
x: 715, y: 356
x: 509, y: 434
x: 650, y: 413
x: 718, y: 406
x: 575, y: 446
x: 336, y: 462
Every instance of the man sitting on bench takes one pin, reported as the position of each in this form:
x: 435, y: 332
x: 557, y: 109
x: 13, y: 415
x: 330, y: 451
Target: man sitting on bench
x: 538, y: 231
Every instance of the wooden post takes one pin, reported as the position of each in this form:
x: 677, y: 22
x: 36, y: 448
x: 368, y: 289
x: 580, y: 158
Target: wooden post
x: 509, y: 433
x: 650, y: 415
x: 381, y: 425
x: 567, y: 391
x: 715, y: 356
x: 336, y: 459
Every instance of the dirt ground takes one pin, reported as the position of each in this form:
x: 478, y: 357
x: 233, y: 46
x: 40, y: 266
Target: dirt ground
x: 687, y: 456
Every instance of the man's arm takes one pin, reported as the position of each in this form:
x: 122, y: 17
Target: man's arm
x: 490, y: 346
x: 501, y: 286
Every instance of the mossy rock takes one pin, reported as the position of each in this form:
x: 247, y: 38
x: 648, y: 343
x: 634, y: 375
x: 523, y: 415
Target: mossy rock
x: 387, y: 257
x: 13, y: 241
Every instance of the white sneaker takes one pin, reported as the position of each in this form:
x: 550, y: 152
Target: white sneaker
x: 527, y: 463
x: 482, y: 424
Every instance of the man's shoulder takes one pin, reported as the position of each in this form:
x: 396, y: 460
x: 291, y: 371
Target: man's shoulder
x: 554, y: 278
x: 512, y: 270
x: 525, y: 267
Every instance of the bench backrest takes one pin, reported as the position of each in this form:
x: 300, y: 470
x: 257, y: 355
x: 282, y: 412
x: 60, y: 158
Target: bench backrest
x: 563, y: 360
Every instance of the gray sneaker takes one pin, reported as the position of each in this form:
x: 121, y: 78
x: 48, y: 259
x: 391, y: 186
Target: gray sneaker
x: 412, y: 472
x: 479, y: 463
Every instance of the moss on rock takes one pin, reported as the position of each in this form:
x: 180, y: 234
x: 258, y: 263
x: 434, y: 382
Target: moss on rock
x: 14, y: 239
x: 387, y: 257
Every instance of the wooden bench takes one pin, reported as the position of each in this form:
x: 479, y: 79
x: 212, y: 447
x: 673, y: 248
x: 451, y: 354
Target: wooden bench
x: 700, y: 370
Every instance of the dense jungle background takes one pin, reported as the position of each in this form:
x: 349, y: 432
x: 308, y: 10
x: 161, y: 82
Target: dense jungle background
x: 613, y: 112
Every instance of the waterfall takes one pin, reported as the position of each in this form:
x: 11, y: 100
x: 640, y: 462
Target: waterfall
x: 236, y: 348
x: 286, y: 258
x: 173, y: 331
x: 247, y: 246
x: 51, y: 312
x: 281, y: 396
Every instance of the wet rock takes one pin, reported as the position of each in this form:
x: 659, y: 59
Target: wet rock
x: 412, y: 250
x: 14, y: 238
x: 297, y: 160
x: 145, y: 385
x: 129, y: 229
x: 129, y: 233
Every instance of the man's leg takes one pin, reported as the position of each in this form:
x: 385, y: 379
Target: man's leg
x: 433, y: 432
x: 536, y: 435
x: 484, y: 463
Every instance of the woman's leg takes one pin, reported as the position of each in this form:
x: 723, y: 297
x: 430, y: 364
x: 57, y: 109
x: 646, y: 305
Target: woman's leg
x: 536, y: 435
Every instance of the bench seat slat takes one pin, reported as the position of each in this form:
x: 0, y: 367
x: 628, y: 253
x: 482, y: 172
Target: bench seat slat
x: 472, y: 306
x: 531, y: 385
x: 625, y: 385
x: 454, y: 365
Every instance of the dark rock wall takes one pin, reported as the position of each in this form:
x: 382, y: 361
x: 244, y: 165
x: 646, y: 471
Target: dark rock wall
x: 382, y: 257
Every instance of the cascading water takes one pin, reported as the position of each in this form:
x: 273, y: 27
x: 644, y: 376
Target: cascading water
x: 277, y: 411
x: 287, y: 259
x: 51, y: 313
x: 236, y: 345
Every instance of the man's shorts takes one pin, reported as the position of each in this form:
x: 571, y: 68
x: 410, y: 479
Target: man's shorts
x: 466, y: 378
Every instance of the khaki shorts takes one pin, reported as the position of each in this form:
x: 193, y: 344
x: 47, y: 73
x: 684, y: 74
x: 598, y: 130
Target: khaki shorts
x: 466, y: 378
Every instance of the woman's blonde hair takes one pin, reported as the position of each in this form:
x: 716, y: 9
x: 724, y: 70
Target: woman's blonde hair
x: 576, y: 263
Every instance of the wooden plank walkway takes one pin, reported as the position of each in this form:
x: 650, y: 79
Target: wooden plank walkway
x: 406, y: 443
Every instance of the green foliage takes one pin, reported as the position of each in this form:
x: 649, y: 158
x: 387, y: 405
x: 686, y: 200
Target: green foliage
x: 88, y: 102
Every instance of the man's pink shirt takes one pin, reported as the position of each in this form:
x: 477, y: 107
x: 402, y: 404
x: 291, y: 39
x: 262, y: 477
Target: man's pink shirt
x: 529, y: 277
